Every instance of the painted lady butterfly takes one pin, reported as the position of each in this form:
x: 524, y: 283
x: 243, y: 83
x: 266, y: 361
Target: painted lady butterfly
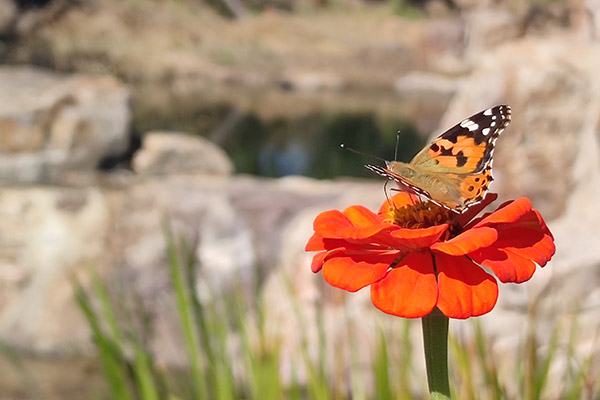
x: 455, y: 170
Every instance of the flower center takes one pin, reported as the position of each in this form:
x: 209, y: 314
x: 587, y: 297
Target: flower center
x: 418, y: 215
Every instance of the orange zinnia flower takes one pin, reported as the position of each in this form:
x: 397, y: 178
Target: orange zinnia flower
x: 417, y: 256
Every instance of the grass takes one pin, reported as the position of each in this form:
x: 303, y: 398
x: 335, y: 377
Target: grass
x: 208, y: 330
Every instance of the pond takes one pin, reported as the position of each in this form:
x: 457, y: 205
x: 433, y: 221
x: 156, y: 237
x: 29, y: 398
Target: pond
x: 296, y: 133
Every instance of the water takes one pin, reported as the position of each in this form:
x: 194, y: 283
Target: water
x: 306, y: 144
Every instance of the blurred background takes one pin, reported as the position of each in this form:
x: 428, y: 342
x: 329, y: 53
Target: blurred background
x: 161, y: 162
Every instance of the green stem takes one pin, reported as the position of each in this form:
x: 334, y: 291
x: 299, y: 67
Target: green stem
x: 435, y: 338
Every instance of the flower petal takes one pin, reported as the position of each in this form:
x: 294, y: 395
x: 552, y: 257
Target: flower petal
x: 513, y: 255
x: 320, y: 258
x: 543, y: 225
x: 354, y: 271
x: 399, y: 200
x: 520, y: 243
x: 409, y: 290
x: 468, y: 214
x: 417, y: 238
x: 317, y: 261
x: 357, y: 222
x: 465, y: 290
x: 508, y: 212
x: 361, y: 217
x: 507, y: 266
x: 315, y: 243
x: 532, y: 244
x: 467, y: 242
x: 318, y: 243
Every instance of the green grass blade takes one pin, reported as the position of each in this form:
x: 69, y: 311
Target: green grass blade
x: 142, y: 369
x: 541, y: 375
x: 141, y: 364
x: 111, y: 358
x: 356, y: 382
x: 185, y: 310
x: 262, y: 359
x: 220, y: 370
x: 406, y: 362
x: 383, y: 388
x: 108, y: 315
x: 318, y: 385
x: 487, y: 363
x: 462, y: 369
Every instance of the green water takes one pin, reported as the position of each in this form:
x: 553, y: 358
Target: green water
x: 301, y: 145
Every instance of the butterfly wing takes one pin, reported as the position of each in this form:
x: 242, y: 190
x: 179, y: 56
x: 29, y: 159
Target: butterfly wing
x: 454, y: 171
x: 403, y: 182
x: 467, y: 147
x: 473, y: 188
x: 452, y: 191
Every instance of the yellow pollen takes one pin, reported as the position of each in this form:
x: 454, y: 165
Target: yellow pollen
x: 418, y: 215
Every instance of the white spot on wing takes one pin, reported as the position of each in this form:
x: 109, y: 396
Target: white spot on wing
x: 485, y: 131
x: 470, y: 125
x: 488, y: 112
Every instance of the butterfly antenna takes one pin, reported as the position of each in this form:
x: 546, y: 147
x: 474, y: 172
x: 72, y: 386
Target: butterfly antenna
x: 397, y: 145
x: 343, y: 146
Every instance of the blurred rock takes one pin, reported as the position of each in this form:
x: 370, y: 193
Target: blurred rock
x: 311, y: 81
x: 55, y: 125
x: 47, y: 235
x: 35, y: 15
x: 423, y: 84
x: 488, y: 27
x: 466, y: 5
x: 8, y: 15
x: 234, y: 225
x: 588, y: 18
x: 165, y: 153
x: 549, y: 84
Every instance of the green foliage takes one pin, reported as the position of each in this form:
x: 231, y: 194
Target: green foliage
x: 478, y: 374
x: 383, y: 388
x: 127, y: 378
x: 127, y: 362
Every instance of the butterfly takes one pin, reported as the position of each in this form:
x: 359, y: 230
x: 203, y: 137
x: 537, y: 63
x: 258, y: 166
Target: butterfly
x: 454, y: 171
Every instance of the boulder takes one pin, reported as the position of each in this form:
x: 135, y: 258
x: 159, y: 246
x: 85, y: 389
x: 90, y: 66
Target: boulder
x: 55, y: 126
x: 311, y: 81
x: 169, y: 153
x: 420, y: 84
x: 48, y: 235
